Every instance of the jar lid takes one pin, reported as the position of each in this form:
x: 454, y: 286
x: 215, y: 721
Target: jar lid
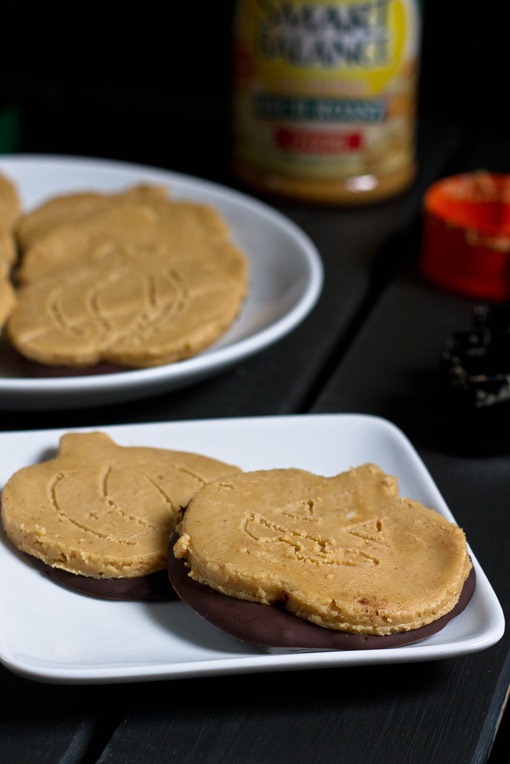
x: 466, y: 235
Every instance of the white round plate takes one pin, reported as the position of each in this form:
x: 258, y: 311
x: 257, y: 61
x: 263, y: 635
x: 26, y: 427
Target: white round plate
x: 286, y: 277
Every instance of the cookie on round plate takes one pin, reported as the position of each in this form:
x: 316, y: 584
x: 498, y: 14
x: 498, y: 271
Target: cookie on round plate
x: 130, y: 308
x: 10, y: 210
x: 65, y: 210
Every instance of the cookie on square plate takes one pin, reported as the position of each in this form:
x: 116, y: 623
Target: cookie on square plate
x: 97, y: 516
x: 287, y: 558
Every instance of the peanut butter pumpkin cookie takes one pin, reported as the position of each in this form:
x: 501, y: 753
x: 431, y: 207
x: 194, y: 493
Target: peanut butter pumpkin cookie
x: 103, y: 511
x: 345, y: 553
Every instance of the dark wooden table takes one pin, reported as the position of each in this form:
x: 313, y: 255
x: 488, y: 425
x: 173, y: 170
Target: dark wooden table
x: 371, y: 345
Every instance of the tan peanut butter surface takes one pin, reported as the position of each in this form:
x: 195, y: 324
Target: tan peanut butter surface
x: 102, y: 510
x: 10, y: 210
x: 344, y: 552
x: 133, y: 279
x: 130, y: 308
x: 182, y: 227
x: 65, y: 210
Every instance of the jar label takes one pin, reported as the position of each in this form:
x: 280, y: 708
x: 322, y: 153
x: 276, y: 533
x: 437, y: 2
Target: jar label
x: 326, y: 90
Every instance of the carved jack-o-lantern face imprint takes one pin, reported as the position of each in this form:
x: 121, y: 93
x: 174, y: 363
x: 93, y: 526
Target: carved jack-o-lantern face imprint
x: 85, y: 305
x: 350, y: 546
x: 124, y: 309
x: 129, y: 280
x: 114, y: 499
x: 103, y: 510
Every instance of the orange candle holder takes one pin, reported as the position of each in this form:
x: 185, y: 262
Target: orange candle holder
x: 466, y: 235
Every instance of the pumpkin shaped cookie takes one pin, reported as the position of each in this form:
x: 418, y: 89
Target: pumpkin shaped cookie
x: 102, y: 511
x: 344, y: 553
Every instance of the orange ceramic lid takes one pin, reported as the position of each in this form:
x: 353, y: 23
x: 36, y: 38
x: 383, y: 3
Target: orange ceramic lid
x: 466, y: 235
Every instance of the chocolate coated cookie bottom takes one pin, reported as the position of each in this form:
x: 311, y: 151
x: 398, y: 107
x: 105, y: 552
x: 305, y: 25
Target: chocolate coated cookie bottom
x: 272, y: 626
x: 149, y: 588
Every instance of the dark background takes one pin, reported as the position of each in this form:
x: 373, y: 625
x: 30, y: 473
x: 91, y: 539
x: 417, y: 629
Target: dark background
x: 153, y: 87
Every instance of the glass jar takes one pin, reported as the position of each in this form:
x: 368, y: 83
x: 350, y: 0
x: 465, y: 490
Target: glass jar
x: 324, y: 98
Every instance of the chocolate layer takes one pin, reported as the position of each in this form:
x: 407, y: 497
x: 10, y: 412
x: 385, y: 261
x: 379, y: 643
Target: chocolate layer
x: 272, y: 626
x: 151, y: 588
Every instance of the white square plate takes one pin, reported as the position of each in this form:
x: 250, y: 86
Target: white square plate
x: 51, y: 634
